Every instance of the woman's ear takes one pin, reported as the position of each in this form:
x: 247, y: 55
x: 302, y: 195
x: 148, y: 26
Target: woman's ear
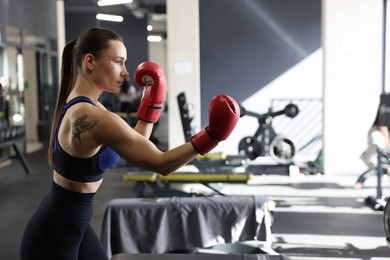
x: 88, y: 62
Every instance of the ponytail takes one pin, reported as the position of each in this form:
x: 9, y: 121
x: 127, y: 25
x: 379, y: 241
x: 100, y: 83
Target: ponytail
x: 68, y: 77
x: 94, y: 41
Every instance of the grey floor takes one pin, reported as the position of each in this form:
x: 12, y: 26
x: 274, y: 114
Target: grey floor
x: 316, y: 217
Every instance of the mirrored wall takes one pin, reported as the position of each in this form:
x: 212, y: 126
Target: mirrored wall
x: 29, y: 83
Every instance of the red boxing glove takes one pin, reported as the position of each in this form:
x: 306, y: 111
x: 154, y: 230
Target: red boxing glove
x: 224, y: 113
x: 152, y: 77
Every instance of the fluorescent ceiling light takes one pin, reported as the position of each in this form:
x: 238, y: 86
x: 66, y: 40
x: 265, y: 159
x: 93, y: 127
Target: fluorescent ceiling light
x: 159, y: 17
x: 154, y: 38
x: 109, y: 17
x: 113, y: 2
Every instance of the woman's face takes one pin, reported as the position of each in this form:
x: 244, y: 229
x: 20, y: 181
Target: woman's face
x: 109, y: 70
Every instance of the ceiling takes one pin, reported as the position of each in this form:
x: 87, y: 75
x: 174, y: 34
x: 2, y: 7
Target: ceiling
x: 153, y: 10
x: 144, y: 6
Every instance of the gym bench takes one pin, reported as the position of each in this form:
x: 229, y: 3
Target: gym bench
x: 161, y: 184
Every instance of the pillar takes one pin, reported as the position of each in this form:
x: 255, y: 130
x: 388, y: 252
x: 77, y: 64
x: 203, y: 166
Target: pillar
x: 183, y: 64
x: 352, y: 32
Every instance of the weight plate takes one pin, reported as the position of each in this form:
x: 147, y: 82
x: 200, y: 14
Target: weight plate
x: 250, y: 147
x: 282, y: 150
x: 386, y: 220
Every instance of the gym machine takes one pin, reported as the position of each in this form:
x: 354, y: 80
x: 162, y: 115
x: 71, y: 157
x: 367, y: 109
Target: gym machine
x: 153, y: 185
x: 212, y: 162
x: 225, y: 169
x: 267, y: 143
x: 9, y: 137
x: 12, y: 133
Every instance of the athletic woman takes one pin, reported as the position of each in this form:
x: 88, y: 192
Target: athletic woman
x: 86, y: 139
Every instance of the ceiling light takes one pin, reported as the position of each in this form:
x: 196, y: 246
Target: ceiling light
x: 154, y: 38
x: 159, y: 17
x: 113, y: 2
x: 138, y: 13
x: 149, y: 28
x: 109, y: 17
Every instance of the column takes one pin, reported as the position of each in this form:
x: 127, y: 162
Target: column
x: 183, y: 69
x: 352, y: 47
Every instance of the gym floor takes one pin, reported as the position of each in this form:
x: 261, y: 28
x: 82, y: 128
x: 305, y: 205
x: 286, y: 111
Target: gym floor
x: 316, y: 217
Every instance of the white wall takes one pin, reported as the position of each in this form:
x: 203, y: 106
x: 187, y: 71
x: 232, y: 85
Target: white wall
x: 304, y: 80
x: 352, y: 45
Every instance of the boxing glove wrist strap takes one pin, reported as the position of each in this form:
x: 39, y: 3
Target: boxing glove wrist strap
x: 148, y: 112
x: 203, y: 142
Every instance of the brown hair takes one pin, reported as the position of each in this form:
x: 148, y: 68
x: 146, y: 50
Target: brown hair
x: 93, y: 41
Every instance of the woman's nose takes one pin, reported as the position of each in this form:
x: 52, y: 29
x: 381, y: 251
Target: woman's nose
x: 125, y: 73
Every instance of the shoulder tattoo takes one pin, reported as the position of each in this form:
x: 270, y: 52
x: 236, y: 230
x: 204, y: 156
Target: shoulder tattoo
x: 81, y: 125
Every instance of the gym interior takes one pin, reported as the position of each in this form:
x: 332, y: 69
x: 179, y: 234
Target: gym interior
x: 309, y: 76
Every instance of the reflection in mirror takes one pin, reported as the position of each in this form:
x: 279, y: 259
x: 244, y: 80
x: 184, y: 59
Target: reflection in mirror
x: 14, y: 88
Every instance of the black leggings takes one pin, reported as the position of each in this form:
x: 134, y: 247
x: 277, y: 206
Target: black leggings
x: 60, y: 229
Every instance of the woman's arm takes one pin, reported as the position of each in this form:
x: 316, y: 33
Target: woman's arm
x: 114, y: 132
x: 134, y: 147
x: 144, y: 128
x: 385, y: 131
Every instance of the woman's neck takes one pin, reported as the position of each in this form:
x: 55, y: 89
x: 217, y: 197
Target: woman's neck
x: 84, y: 87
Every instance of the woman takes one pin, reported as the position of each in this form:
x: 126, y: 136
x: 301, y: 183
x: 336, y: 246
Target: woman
x: 127, y: 97
x: 86, y: 139
x: 377, y: 138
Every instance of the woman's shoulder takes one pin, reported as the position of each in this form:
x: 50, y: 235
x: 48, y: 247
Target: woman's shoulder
x: 88, y: 111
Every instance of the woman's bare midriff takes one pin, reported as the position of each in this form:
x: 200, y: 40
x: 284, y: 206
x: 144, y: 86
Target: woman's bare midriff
x: 75, y: 186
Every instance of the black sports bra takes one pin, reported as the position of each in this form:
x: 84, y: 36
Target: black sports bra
x: 81, y: 169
